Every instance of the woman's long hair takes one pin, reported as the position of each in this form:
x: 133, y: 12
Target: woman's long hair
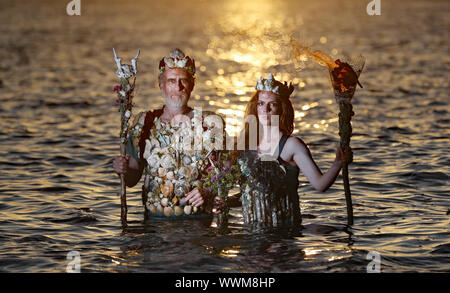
x: 286, y: 122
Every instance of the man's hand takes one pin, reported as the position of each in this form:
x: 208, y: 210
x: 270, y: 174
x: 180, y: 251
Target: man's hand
x: 120, y: 164
x: 195, y: 197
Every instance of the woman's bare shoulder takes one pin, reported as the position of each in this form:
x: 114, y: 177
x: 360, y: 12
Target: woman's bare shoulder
x: 296, y: 144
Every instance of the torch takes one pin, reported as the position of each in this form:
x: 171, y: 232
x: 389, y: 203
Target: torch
x: 125, y: 102
x: 344, y: 78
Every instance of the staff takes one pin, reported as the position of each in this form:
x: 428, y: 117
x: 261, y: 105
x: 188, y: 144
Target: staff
x: 125, y: 102
x: 344, y: 80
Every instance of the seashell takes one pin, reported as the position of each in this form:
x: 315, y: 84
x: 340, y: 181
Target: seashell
x: 151, y: 208
x: 155, y: 143
x: 165, y: 202
x: 154, y: 172
x: 197, y: 184
x: 170, y: 175
x: 153, y: 160
x: 153, y: 188
x: 194, y: 172
x: 194, y: 209
x: 160, y: 209
x: 157, y: 151
x: 167, y: 188
x: 185, y: 172
x: 167, y: 161
x: 186, y: 160
x: 178, y: 211
x: 181, y: 188
x: 189, y: 151
x: 148, y: 149
x: 187, y: 210
x: 175, y: 200
x: 168, y: 211
x: 162, y: 172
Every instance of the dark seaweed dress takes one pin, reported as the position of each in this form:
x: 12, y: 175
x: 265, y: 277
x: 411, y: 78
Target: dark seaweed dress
x: 269, y: 190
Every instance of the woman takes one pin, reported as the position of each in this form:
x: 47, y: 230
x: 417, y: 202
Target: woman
x: 270, y: 168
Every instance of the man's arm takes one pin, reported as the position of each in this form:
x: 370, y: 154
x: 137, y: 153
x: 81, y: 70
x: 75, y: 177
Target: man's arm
x: 134, y: 173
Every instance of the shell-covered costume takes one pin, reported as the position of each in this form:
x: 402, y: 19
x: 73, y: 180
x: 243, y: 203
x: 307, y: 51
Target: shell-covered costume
x: 175, y: 158
x: 269, y: 190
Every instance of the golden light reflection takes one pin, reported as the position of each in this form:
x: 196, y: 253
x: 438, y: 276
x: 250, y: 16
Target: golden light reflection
x: 299, y: 114
x: 229, y: 253
x: 311, y: 251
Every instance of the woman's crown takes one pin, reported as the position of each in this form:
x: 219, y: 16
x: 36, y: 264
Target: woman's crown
x: 272, y: 85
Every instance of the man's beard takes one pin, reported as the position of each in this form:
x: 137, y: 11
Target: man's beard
x: 171, y: 104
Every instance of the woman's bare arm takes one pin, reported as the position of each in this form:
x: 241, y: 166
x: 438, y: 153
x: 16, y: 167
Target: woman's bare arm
x: 296, y: 150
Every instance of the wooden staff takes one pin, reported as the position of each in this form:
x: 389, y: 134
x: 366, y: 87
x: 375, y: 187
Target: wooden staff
x: 125, y: 102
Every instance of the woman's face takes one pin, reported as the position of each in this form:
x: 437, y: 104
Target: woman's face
x: 268, y: 105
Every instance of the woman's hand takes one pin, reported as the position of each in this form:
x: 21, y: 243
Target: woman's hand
x: 344, y: 155
x: 218, y: 204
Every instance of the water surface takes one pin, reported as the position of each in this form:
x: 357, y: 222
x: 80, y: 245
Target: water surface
x: 59, y: 128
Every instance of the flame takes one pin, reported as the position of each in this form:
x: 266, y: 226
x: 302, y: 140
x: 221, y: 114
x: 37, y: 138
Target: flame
x: 344, y: 76
x: 300, y: 51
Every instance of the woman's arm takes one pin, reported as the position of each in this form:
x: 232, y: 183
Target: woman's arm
x: 299, y: 152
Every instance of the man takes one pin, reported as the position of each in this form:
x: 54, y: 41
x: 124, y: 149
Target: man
x: 169, y: 171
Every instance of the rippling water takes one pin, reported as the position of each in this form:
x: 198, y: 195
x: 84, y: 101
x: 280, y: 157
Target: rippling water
x: 59, y: 128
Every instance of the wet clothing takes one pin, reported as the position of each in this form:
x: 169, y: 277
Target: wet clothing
x: 269, y: 189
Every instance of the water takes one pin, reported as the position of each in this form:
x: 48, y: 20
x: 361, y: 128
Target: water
x: 59, y: 128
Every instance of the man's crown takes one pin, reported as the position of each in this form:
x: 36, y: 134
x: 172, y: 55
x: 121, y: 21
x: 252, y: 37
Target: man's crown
x: 272, y: 85
x: 177, y: 59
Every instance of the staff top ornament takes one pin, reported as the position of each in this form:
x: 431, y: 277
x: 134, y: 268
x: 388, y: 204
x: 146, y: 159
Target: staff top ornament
x: 124, y: 70
x: 272, y: 85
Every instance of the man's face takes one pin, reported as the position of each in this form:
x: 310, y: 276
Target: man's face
x: 176, y: 86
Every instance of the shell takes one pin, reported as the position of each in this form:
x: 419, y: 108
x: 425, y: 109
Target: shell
x: 175, y: 200
x: 162, y: 172
x: 165, y: 202
x: 170, y: 175
x: 195, y: 209
x: 194, y: 172
x: 167, y: 161
x: 178, y: 211
x: 187, y: 210
x: 153, y: 160
x: 151, y: 208
x: 181, y: 188
x: 185, y: 172
x: 187, y: 160
x: 160, y: 209
x: 168, y: 211
x: 154, y: 172
x: 148, y: 149
x: 155, y: 143
x: 167, y: 188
